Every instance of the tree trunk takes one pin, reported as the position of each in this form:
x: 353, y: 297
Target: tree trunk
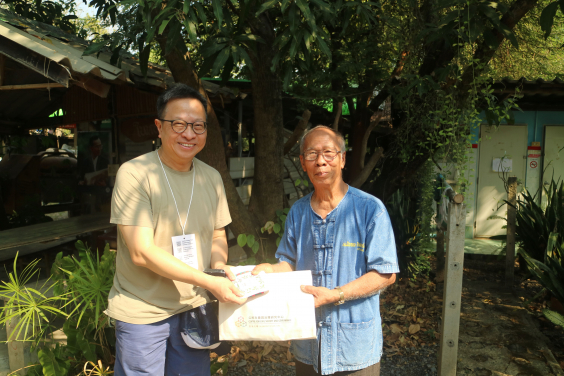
x: 214, y: 151
x: 355, y: 157
x: 268, y: 188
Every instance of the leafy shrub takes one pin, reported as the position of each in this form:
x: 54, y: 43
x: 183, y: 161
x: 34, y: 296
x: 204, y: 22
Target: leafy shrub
x: 80, y: 288
x: 413, y: 259
x: 271, y: 232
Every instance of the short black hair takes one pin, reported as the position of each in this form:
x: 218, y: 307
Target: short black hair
x: 94, y: 138
x: 179, y: 91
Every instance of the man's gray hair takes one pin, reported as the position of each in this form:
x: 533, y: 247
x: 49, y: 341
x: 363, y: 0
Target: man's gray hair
x: 340, y: 138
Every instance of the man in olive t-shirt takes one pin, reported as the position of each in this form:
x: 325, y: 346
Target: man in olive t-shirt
x: 171, y: 211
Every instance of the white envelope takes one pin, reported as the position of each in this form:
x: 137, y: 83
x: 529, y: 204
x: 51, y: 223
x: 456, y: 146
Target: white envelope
x: 283, y: 313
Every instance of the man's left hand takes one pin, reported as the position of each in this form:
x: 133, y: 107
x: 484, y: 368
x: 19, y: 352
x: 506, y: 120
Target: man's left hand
x: 321, y: 295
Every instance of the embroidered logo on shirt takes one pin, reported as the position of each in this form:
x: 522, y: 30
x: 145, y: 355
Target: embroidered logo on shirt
x: 359, y: 246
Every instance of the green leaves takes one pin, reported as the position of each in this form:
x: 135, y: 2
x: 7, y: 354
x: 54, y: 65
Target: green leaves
x: 220, y: 61
x: 52, y: 362
x: 242, y: 240
x: 225, y: 51
x: 31, y: 307
x: 249, y: 240
x: 547, y: 17
x: 267, y: 5
x: 218, y: 11
x: 555, y: 317
x: 94, y: 48
x: 88, y: 349
x: 90, y: 282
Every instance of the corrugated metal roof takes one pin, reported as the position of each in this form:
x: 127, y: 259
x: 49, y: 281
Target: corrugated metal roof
x: 66, y: 50
x: 536, y: 94
x: 530, y: 87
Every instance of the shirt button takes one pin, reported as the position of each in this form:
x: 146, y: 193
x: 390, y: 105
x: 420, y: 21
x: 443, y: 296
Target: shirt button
x: 324, y: 221
x: 322, y: 246
x: 320, y: 324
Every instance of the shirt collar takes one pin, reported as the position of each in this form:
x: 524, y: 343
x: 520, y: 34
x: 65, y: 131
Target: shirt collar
x: 334, y: 209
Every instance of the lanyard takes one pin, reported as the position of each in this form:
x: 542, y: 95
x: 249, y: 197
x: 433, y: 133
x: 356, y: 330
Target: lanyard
x: 191, y: 195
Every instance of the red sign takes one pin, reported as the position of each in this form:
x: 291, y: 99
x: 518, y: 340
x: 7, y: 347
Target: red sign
x: 68, y: 126
x: 533, y: 164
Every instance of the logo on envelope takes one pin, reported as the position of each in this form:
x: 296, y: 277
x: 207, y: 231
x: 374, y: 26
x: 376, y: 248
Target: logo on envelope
x: 241, y: 322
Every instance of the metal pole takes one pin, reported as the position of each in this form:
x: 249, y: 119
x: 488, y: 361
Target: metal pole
x: 510, y: 253
x: 452, y: 294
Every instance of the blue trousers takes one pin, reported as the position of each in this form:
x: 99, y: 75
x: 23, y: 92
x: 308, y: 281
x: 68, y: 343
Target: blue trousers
x: 157, y: 349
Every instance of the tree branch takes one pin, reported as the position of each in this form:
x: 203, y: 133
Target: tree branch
x: 484, y: 53
x: 300, y: 128
x: 385, y: 92
x: 360, y: 179
x: 338, y: 116
x: 365, y: 139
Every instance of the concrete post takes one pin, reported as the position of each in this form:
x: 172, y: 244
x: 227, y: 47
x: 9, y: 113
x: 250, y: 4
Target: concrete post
x: 452, y: 294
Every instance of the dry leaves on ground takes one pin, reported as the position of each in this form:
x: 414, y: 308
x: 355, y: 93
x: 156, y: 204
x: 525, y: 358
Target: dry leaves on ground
x: 410, y: 314
x: 410, y: 311
x: 245, y: 354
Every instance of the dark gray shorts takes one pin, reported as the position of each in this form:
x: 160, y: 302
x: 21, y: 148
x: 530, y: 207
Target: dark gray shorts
x: 157, y: 349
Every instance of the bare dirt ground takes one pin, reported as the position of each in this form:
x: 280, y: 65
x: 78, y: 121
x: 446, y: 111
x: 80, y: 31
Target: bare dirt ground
x: 499, y: 334
x: 502, y: 331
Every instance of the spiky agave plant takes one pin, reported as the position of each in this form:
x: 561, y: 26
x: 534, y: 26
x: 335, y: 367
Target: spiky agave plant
x: 550, y: 274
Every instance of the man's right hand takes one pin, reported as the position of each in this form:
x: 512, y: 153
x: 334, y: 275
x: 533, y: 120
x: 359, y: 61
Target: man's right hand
x: 225, y: 291
x: 267, y: 268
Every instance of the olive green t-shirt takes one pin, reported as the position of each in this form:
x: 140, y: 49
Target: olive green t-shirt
x: 143, y: 198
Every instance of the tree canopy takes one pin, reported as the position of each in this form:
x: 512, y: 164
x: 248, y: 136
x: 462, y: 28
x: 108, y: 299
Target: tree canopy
x: 432, y: 61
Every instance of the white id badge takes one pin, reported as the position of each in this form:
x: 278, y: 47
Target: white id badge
x: 184, y: 249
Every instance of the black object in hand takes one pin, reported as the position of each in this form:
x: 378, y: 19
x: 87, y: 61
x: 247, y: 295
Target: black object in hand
x: 216, y: 272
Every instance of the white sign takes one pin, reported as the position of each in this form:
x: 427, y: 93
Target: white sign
x: 502, y: 165
x: 283, y: 313
x: 534, y: 169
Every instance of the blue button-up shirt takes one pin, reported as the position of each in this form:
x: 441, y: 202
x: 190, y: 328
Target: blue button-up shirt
x: 354, y: 238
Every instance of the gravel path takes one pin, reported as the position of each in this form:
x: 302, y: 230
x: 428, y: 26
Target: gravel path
x: 412, y: 362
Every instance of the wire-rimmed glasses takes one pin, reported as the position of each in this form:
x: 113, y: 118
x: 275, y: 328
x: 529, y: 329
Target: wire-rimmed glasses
x: 328, y: 155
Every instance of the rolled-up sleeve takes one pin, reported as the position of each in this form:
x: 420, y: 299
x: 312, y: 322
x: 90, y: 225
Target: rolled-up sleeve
x: 380, y: 253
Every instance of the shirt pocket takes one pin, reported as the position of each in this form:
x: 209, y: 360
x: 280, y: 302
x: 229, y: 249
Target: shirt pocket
x: 356, y: 343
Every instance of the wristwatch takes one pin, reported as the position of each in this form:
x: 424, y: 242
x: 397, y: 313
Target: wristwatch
x: 341, y: 296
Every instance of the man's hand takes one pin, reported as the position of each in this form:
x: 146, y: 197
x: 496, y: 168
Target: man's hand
x: 225, y: 291
x: 267, y: 268
x: 281, y: 267
x: 321, y: 295
x: 228, y: 273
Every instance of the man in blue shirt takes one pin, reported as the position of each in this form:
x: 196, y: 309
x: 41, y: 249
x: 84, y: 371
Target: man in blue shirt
x: 344, y: 236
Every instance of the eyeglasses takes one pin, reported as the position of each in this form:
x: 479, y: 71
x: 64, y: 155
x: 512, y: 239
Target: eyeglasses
x: 179, y: 126
x: 328, y: 155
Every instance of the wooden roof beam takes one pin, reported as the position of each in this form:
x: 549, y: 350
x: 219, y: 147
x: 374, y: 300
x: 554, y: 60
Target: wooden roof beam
x: 31, y: 86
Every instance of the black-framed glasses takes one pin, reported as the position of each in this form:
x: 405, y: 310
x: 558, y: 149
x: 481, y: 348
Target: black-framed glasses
x: 328, y: 155
x: 179, y: 126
